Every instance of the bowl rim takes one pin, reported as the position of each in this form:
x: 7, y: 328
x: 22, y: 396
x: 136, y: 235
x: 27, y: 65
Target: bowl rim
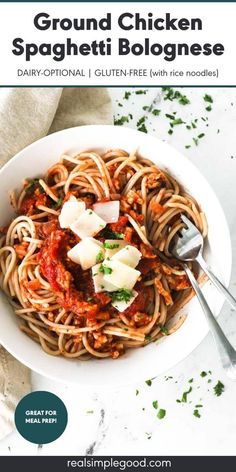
x: 196, y: 171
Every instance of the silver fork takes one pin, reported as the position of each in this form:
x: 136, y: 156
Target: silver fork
x: 189, y: 247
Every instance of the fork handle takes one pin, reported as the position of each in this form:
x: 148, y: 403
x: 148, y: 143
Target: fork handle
x: 226, y: 350
x: 229, y: 298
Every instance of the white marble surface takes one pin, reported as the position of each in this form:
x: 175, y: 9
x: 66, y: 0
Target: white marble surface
x: 123, y: 422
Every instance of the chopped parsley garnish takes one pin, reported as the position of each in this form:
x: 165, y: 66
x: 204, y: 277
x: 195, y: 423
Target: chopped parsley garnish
x: 123, y: 119
x: 89, y: 412
x: 111, y: 246
x: 177, y: 121
x: 99, y: 257
x: 90, y: 212
x: 31, y: 187
x: 141, y: 121
x: 127, y: 95
x: 185, y: 396
x: 195, y: 140
x: 121, y: 295
x: 196, y: 413
x: 141, y: 92
x: 184, y: 100
x: 155, y: 404
x: 201, y: 135
x: 90, y: 299
x: 203, y: 373
x: 143, y: 129
x: 219, y: 388
x: 209, y: 108
x: 161, y: 414
x: 208, y: 98
x: 163, y: 329
x: 58, y: 203
x: 148, y: 337
x: 171, y: 117
x: 109, y: 234
x: 171, y: 94
x: 190, y: 381
x: 137, y: 392
x: 104, y: 269
x: 156, y: 112
x: 148, y: 382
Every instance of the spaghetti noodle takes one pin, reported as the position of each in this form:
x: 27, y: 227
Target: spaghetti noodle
x: 54, y: 297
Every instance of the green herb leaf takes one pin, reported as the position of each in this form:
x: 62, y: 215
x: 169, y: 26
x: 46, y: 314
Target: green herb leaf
x: 177, y: 121
x: 184, y: 398
x: 104, y: 269
x: 171, y: 117
x: 219, y: 388
x: 31, y: 187
x: 141, y: 121
x: 109, y: 234
x: 99, y: 257
x: 120, y: 121
x: 122, y: 294
x: 137, y: 392
x: 58, y: 203
x: 161, y: 414
x: 111, y: 246
x: 148, y: 382
x: 203, y: 373
x: 141, y: 92
x: 184, y: 100
x: 155, y: 404
x: 156, y: 112
x: 163, y: 329
x: 208, y: 98
x: 127, y: 95
x: 196, y: 413
x: 143, y: 128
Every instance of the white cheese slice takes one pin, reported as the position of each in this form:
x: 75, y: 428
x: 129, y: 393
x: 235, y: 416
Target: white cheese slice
x: 129, y: 255
x: 100, y: 285
x: 86, y: 253
x: 88, y: 224
x: 121, y: 275
x: 70, y: 211
x: 108, y: 211
x: 118, y: 243
x: 122, y: 305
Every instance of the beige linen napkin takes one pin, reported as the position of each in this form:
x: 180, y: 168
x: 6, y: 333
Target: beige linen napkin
x: 25, y: 116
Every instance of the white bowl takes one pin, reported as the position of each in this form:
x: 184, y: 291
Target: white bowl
x: 156, y: 358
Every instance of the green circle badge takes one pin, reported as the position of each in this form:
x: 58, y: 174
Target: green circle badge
x: 41, y: 417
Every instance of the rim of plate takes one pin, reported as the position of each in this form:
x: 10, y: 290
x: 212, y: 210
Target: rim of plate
x: 186, y: 350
